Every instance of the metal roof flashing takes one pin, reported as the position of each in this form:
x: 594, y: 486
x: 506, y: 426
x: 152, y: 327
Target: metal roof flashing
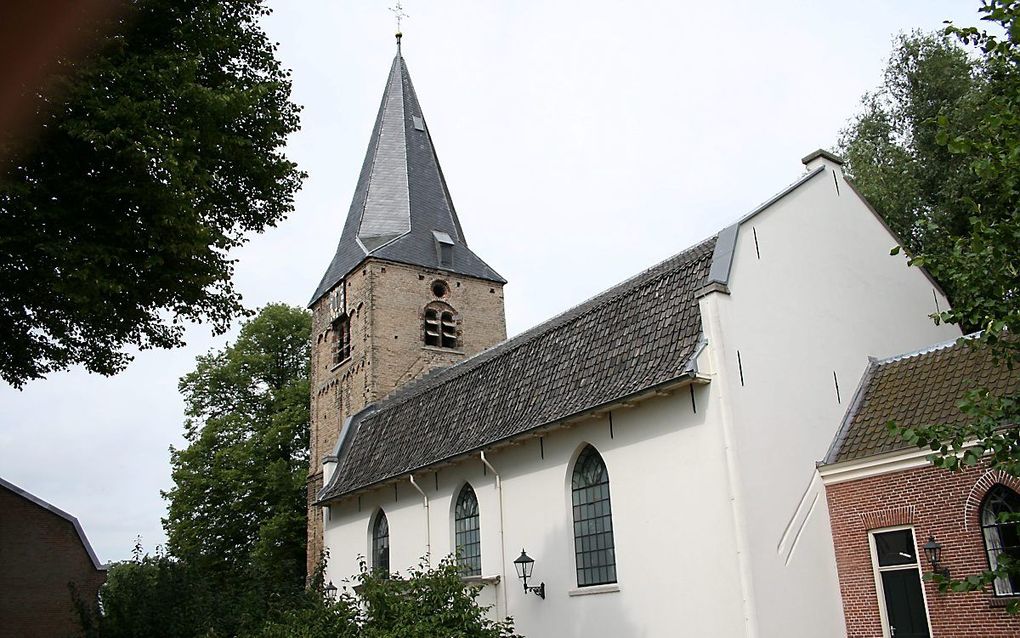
x: 722, y: 258
x: 819, y: 157
x: 851, y: 410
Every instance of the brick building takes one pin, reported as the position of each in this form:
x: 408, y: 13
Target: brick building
x: 886, y: 502
x: 45, y: 560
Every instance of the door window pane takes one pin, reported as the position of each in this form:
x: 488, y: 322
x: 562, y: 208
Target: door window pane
x: 895, y: 548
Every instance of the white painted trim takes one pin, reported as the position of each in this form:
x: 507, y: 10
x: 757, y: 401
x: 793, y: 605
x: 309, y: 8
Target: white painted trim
x: 799, y: 518
x: 877, y: 465
x: 594, y: 589
x: 710, y: 319
x: 873, y: 466
x: 502, y: 538
x: 880, y: 591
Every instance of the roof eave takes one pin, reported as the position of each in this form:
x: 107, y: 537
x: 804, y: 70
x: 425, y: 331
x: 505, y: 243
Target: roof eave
x: 690, y: 377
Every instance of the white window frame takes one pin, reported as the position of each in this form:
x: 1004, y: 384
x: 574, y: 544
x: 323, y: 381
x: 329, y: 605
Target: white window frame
x: 879, y: 591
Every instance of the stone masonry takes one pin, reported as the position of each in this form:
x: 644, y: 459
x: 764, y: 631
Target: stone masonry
x: 385, y: 302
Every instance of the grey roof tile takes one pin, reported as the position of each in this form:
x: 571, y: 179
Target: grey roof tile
x: 401, y: 197
x: 635, y: 336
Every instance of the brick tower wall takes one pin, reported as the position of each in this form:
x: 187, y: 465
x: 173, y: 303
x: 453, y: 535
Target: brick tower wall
x: 386, y: 304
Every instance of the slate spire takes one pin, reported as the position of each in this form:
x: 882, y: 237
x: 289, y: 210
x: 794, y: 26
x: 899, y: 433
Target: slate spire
x: 402, y: 209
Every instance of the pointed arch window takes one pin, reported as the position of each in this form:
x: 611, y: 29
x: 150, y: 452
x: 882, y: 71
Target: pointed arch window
x: 594, y: 549
x: 440, y: 326
x: 467, y: 532
x: 1001, y: 538
x: 381, y: 543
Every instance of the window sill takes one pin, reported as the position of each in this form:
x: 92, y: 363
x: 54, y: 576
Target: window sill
x: 1003, y: 601
x: 337, y: 365
x: 446, y: 350
x: 608, y: 588
x: 480, y: 580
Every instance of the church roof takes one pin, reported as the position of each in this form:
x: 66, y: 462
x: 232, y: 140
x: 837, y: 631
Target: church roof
x: 636, y: 336
x: 915, y: 389
x: 401, y: 210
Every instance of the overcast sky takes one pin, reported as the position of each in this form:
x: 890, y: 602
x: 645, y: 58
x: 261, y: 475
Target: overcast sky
x: 581, y: 141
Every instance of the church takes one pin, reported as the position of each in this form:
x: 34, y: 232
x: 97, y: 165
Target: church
x: 652, y: 450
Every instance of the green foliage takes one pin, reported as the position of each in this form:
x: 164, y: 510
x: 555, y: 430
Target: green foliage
x: 892, y: 148
x: 155, y: 156
x: 429, y: 602
x: 979, y: 263
x: 237, y: 511
x: 984, y: 262
x: 149, y: 596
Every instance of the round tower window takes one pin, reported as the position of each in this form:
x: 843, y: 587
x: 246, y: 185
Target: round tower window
x: 439, y: 288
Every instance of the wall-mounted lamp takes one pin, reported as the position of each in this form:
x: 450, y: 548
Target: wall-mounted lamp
x: 933, y: 550
x: 524, y: 566
x: 330, y: 591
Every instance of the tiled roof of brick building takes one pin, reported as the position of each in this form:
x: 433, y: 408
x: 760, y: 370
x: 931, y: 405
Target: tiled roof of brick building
x: 916, y: 389
x: 636, y: 336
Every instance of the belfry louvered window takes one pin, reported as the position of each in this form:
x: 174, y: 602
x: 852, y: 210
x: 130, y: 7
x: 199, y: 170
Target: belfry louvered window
x: 341, y: 339
x: 467, y: 534
x: 594, y: 550
x: 440, y: 327
x: 381, y: 544
x: 1002, y: 538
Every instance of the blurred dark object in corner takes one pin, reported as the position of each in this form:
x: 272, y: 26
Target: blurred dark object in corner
x: 37, y: 38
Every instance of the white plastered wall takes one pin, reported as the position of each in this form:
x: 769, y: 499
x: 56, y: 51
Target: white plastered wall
x: 813, y: 292
x: 677, y: 569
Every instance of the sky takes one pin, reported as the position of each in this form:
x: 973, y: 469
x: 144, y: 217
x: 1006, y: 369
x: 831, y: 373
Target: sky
x: 581, y: 142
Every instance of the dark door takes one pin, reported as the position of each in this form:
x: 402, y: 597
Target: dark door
x: 904, y: 603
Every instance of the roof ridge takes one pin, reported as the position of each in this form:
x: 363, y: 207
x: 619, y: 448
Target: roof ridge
x: 929, y: 349
x: 446, y: 375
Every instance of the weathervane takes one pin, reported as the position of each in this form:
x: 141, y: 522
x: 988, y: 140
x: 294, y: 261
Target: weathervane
x: 398, y: 11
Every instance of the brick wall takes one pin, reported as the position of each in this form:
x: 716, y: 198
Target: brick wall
x: 934, y: 502
x: 41, y: 555
x: 386, y: 303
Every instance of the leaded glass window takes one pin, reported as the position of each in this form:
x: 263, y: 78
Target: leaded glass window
x: 466, y: 533
x: 1001, y: 538
x: 381, y: 544
x: 594, y: 551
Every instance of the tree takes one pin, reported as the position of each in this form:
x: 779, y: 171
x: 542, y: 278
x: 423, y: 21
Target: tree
x: 236, y: 513
x: 977, y: 258
x: 155, y: 155
x: 429, y: 602
x: 892, y: 148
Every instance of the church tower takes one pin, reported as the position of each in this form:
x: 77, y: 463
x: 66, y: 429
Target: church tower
x: 404, y: 294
